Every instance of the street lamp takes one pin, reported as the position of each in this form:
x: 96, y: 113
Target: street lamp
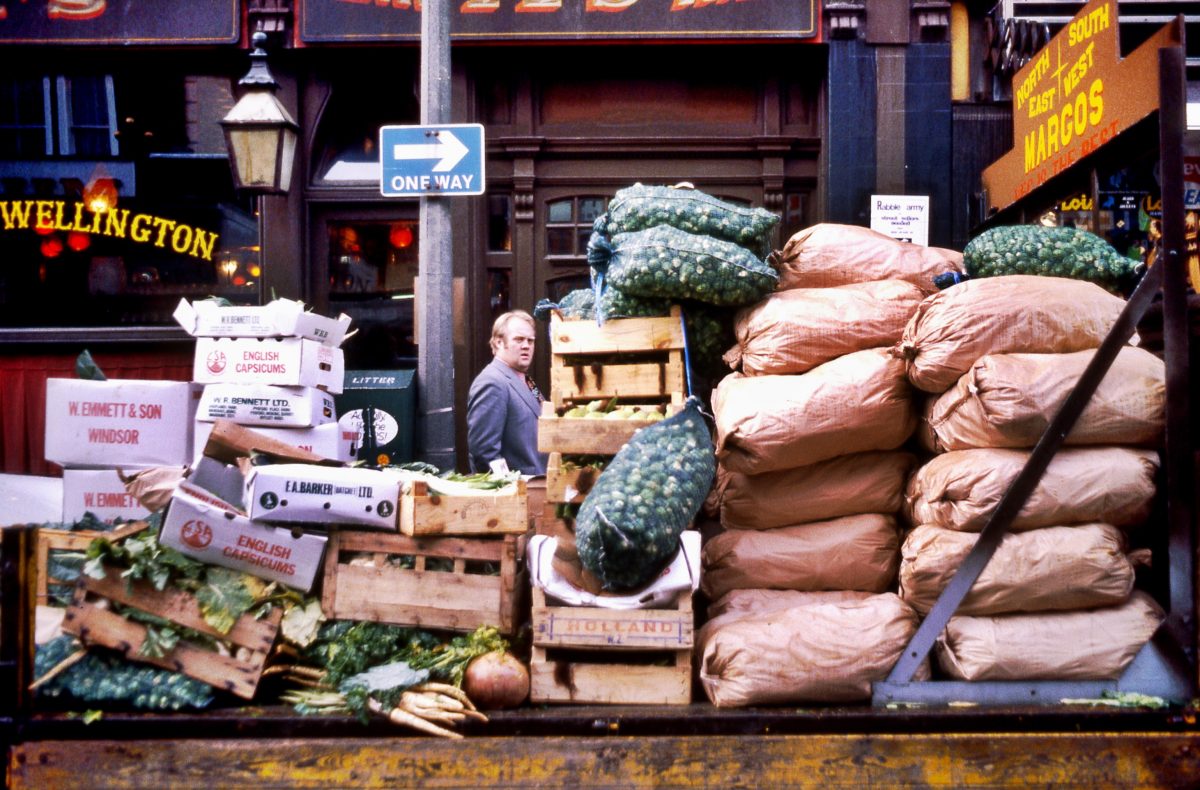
x: 259, y: 133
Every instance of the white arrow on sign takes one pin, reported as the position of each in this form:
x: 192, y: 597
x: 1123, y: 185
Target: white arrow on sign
x: 448, y: 148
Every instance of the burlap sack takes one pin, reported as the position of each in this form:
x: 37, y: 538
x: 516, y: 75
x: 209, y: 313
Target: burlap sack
x: 739, y: 603
x: 817, y: 652
x: 852, y: 404
x: 1007, y: 400
x: 794, y: 331
x: 1051, y: 568
x: 827, y: 255
x: 1090, y: 644
x: 1002, y: 315
x: 870, y: 482
x: 959, y: 490
x: 850, y: 553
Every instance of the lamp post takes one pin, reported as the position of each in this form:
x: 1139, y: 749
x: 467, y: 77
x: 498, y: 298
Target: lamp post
x: 260, y: 134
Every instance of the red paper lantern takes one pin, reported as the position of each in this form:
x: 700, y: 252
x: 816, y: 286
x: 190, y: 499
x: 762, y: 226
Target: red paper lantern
x: 52, y: 247
x: 401, y: 236
x: 78, y: 241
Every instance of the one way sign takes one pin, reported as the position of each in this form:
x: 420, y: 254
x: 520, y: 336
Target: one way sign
x: 431, y: 160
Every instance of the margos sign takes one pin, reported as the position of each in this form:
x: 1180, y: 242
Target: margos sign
x: 140, y: 228
x: 1073, y: 97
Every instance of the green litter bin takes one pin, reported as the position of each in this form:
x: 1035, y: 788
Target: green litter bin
x: 392, y: 395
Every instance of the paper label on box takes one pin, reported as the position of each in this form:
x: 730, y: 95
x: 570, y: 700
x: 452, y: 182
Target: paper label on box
x: 323, y: 495
x: 101, y: 493
x: 119, y: 422
x: 264, y: 404
x: 207, y: 529
x: 293, y: 362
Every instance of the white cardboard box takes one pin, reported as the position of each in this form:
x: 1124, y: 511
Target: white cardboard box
x: 205, y: 528
x: 288, y: 362
x: 330, y: 441
x: 323, y: 495
x: 280, y: 318
x: 266, y: 404
x: 101, y: 493
x: 119, y: 422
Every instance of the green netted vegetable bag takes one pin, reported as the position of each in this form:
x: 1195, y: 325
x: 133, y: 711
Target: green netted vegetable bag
x: 640, y: 207
x: 666, y: 262
x: 628, y: 527
x: 1055, y: 252
x: 580, y: 304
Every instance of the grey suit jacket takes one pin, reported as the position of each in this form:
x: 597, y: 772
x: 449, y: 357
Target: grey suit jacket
x: 502, y: 419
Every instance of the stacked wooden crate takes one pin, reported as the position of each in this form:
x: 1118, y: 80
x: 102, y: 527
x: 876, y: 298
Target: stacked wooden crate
x: 584, y: 654
x: 458, y: 564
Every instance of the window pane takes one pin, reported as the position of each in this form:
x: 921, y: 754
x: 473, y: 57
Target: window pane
x: 499, y: 223
x: 559, y: 241
x: 499, y: 289
x: 560, y: 211
x: 89, y: 101
x: 590, y: 208
x: 582, y: 236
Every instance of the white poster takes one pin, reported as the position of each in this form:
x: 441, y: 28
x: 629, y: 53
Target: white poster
x: 903, y: 217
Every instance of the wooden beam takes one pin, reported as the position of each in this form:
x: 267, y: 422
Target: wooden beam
x: 1110, y: 760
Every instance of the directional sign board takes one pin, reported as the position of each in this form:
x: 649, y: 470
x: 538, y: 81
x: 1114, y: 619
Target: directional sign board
x: 431, y: 160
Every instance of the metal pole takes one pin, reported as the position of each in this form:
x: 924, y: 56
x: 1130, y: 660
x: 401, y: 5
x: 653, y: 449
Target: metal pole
x: 435, y: 355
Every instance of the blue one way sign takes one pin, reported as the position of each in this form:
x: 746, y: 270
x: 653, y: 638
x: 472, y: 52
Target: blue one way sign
x: 431, y: 160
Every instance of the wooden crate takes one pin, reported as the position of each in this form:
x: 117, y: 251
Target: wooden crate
x: 568, y: 485
x: 585, y: 654
x: 71, y: 540
x: 575, y: 436
x: 426, y: 513
x: 652, y: 369
x: 94, y: 623
x: 462, y: 599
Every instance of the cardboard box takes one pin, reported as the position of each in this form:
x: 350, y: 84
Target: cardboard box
x: 288, y: 362
x: 392, y: 393
x: 266, y: 404
x: 119, y: 422
x: 280, y: 318
x: 329, y: 441
x: 323, y: 495
x: 101, y: 493
x: 208, y: 529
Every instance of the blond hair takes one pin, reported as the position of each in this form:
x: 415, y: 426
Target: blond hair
x: 500, y: 326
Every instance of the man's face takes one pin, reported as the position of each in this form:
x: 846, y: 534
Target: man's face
x: 516, y: 348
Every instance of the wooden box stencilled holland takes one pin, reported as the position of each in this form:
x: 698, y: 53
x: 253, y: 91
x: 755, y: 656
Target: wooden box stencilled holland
x: 90, y: 618
x: 456, y: 584
x: 587, y: 654
x: 427, y: 512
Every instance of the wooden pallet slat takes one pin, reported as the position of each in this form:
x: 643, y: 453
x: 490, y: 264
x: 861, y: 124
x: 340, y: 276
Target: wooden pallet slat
x: 568, y: 485
x: 71, y: 540
x: 94, y: 623
x: 575, y: 436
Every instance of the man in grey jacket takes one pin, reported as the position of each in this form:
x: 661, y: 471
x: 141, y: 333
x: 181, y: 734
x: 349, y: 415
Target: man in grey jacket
x: 503, y: 403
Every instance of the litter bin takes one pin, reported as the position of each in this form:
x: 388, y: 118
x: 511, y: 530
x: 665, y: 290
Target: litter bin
x: 392, y: 396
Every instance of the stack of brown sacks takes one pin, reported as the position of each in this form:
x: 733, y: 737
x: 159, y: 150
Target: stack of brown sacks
x: 999, y: 356
x: 810, y: 477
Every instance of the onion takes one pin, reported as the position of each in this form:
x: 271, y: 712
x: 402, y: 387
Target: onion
x: 496, y: 680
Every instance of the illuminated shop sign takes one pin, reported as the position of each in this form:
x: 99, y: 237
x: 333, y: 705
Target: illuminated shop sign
x: 120, y: 223
x: 1072, y: 98
x: 495, y: 20
x: 119, y: 21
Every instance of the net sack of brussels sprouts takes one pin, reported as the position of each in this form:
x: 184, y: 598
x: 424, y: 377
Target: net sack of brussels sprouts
x: 640, y: 207
x: 628, y: 527
x: 580, y: 304
x: 1053, y: 252
x: 666, y: 262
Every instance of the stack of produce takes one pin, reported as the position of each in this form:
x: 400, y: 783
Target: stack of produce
x: 656, y: 246
x: 998, y: 357
x: 809, y: 483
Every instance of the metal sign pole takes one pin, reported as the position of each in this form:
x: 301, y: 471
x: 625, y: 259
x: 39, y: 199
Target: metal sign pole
x: 435, y: 354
